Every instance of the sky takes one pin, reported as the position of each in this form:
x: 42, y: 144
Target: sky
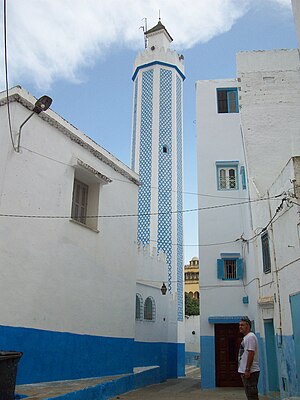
x: 81, y: 53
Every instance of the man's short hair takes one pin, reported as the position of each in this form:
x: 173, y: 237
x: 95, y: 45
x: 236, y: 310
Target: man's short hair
x: 246, y: 319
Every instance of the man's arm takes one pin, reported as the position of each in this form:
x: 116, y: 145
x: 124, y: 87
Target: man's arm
x: 249, y: 362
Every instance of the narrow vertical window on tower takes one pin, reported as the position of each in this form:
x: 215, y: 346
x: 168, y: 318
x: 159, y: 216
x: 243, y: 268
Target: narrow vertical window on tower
x: 227, y: 100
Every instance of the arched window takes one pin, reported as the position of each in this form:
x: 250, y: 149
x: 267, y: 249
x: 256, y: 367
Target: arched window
x: 196, y: 295
x: 138, y: 307
x: 191, y: 294
x: 149, y: 309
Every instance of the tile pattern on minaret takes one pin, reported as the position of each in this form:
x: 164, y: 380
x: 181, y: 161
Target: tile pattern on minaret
x: 145, y: 164
x: 179, y: 197
x: 164, y: 234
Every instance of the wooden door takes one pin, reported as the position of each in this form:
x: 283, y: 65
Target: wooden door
x: 227, y: 343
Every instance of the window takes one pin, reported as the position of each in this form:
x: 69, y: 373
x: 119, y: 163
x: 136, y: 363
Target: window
x: 230, y: 269
x: 80, y: 198
x: 149, y: 309
x: 266, y: 252
x: 86, y: 194
x: 165, y: 149
x: 243, y: 176
x: 227, y: 176
x: 230, y: 266
x: 227, y: 99
x: 138, y: 307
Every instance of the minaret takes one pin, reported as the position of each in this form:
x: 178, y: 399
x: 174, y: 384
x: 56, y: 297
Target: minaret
x: 157, y: 151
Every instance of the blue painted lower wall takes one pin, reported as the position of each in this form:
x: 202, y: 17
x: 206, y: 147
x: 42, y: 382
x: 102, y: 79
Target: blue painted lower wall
x: 192, y: 358
x: 51, y: 356
x: 207, y: 362
x: 287, y: 367
x: 169, y: 356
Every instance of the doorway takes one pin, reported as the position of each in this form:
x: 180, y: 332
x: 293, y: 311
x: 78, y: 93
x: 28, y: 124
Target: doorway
x: 295, y: 307
x: 227, y: 344
x: 271, y: 355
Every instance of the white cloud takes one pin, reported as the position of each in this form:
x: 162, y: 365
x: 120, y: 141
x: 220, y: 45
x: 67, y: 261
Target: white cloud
x: 53, y: 39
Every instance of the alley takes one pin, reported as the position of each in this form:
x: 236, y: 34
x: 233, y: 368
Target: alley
x: 187, y: 388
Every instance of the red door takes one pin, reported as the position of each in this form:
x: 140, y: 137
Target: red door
x: 227, y: 343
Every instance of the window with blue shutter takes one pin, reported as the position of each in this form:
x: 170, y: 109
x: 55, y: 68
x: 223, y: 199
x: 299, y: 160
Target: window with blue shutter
x: 227, y: 100
x: 230, y: 267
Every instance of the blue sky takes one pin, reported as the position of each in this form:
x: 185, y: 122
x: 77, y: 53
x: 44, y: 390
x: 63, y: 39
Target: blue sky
x: 87, y: 67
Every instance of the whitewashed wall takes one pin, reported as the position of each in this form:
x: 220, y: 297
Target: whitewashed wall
x: 192, y: 333
x: 56, y: 274
x: 219, y: 139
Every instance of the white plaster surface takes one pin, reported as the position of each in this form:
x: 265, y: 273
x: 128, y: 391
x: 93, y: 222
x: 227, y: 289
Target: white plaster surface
x: 56, y: 274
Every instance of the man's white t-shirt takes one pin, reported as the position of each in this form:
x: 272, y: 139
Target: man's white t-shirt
x: 249, y: 342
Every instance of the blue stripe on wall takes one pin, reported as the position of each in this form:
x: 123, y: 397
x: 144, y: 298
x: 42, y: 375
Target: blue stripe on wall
x: 169, y: 356
x: 165, y: 173
x: 145, y: 162
x: 49, y: 356
x: 179, y: 241
x: 192, y: 358
x: 207, y: 362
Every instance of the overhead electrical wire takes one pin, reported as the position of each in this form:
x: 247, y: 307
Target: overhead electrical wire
x: 129, y: 182
x: 137, y: 215
x: 6, y: 72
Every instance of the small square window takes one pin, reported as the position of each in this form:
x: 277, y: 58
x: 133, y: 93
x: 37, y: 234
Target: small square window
x: 227, y: 175
x: 230, y: 267
x: 227, y: 99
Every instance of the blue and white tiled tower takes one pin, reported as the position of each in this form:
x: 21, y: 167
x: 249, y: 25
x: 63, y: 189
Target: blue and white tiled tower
x: 157, y: 152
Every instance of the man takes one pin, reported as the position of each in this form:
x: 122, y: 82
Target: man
x: 248, y: 359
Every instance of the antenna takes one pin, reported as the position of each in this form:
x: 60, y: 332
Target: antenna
x: 144, y: 28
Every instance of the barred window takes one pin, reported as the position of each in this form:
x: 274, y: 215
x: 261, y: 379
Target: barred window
x: 138, y: 307
x: 149, y: 309
x: 230, y: 269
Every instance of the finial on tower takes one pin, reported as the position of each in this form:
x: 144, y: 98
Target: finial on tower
x: 144, y: 28
x: 159, y: 15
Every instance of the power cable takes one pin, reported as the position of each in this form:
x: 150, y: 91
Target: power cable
x: 6, y: 72
x: 131, y: 183
x: 137, y: 215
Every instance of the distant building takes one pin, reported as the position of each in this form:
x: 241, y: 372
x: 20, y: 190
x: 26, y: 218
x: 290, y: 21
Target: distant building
x: 192, y: 322
x: 191, y: 278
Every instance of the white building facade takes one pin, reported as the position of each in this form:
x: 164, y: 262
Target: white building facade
x: 270, y: 120
x: 262, y: 134
x: 69, y: 256
x: 157, y: 156
x: 223, y: 220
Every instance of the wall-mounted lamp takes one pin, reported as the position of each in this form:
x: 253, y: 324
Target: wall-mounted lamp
x: 42, y: 104
x: 164, y: 289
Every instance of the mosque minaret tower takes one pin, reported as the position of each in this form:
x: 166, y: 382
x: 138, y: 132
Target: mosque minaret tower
x: 157, y: 151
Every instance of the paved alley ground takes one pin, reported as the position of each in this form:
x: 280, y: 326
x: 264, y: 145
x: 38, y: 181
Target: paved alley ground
x: 187, y: 388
